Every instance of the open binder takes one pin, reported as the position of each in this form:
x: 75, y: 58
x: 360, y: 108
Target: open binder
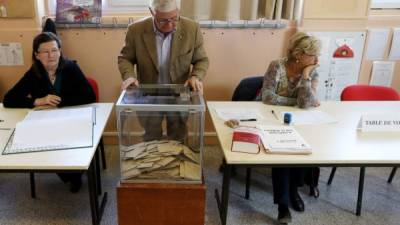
x: 56, y: 129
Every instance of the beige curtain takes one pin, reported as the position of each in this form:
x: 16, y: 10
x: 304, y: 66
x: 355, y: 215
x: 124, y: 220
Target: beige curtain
x: 241, y: 9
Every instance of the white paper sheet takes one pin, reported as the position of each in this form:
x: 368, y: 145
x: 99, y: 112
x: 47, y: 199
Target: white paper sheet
x: 239, y: 114
x: 382, y: 73
x: 11, y: 54
x: 60, y: 113
x: 309, y: 117
x: 54, y: 132
x: 395, y: 49
x: 342, y: 74
x: 53, y: 129
x: 377, y: 42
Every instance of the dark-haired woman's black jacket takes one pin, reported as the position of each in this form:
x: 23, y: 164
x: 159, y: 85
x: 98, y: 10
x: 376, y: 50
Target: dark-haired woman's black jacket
x: 74, y: 88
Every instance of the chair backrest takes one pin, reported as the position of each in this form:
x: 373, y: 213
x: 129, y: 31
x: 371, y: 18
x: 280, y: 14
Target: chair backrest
x: 248, y: 88
x: 95, y: 87
x: 363, y: 92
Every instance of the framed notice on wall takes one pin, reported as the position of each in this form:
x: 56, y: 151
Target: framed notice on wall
x: 17, y: 9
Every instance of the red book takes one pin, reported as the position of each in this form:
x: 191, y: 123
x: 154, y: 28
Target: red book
x: 246, y: 139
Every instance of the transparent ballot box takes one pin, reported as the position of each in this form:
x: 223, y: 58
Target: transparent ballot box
x: 160, y: 130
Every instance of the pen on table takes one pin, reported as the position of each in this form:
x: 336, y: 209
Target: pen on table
x: 1, y: 120
x: 273, y: 113
x: 247, y: 120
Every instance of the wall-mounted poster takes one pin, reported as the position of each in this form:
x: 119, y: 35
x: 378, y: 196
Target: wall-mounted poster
x: 11, y: 54
x: 78, y: 11
x: 340, y: 61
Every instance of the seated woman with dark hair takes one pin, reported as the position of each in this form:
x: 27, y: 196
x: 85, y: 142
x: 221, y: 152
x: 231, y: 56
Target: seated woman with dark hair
x: 52, y: 81
x: 292, y: 81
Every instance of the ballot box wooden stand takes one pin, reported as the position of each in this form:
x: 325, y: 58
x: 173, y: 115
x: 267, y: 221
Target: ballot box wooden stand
x: 161, y: 204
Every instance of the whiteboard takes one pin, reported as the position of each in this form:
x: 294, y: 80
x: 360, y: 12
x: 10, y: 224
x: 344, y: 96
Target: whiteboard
x: 340, y: 61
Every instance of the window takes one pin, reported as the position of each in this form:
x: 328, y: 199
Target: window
x: 111, y: 6
x: 385, y: 4
x: 137, y: 3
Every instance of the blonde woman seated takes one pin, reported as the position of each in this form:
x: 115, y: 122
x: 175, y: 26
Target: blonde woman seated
x: 292, y: 81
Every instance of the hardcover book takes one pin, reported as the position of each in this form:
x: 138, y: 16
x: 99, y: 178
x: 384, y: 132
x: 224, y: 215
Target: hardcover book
x: 246, y: 139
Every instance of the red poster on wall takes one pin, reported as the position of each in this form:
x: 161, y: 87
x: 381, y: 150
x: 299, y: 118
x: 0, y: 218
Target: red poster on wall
x: 78, y: 11
x: 343, y: 51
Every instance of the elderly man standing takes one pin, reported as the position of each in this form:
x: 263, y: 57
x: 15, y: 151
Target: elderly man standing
x: 165, y: 49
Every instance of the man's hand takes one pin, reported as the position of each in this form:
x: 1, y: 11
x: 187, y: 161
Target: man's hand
x: 51, y: 100
x: 130, y: 82
x: 195, y: 84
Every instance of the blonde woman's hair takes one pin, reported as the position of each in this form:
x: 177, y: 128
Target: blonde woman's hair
x: 301, y: 43
x: 163, y: 5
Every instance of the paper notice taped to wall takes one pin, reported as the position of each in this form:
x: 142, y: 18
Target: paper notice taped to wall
x: 11, y: 54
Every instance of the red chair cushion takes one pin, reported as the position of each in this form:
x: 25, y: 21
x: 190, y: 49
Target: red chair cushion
x: 369, y: 93
x: 95, y: 87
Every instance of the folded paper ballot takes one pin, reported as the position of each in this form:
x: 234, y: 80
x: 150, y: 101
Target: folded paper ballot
x: 191, y: 170
x: 161, y: 160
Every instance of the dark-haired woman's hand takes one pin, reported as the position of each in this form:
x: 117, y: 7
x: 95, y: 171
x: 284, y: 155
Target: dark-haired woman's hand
x: 52, y: 100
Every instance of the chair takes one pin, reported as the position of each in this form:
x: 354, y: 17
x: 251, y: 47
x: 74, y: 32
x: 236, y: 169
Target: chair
x: 248, y: 89
x: 95, y: 88
x: 368, y: 93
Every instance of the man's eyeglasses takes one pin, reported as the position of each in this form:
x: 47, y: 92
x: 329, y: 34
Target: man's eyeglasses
x: 167, y: 21
x: 48, y: 52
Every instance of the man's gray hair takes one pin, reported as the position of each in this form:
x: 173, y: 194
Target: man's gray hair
x: 163, y: 5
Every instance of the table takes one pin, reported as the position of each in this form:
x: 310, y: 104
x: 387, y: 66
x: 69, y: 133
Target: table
x: 336, y: 144
x: 76, y: 160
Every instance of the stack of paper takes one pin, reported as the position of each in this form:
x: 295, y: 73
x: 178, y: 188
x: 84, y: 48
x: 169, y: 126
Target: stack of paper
x: 161, y: 160
x: 283, y: 140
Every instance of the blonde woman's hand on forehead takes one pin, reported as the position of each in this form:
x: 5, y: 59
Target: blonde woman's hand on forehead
x: 308, y: 70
